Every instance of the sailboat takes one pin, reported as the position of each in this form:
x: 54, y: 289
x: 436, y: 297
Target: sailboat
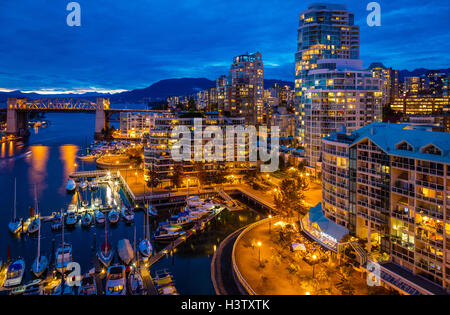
x: 36, y: 222
x: 145, y: 247
x: 105, y: 255
x: 15, y: 226
x: 40, y: 264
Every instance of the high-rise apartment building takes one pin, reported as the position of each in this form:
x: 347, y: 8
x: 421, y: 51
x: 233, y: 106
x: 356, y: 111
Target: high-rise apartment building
x: 331, y: 88
x: 388, y: 184
x: 246, y: 81
x: 390, y: 81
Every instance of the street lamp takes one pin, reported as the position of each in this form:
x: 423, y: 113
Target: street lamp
x: 259, y: 255
x: 314, y: 257
x: 270, y: 224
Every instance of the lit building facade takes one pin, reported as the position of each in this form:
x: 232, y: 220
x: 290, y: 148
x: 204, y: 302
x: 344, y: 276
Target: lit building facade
x: 388, y: 184
x: 136, y: 124
x: 421, y: 105
x: 331, y: 88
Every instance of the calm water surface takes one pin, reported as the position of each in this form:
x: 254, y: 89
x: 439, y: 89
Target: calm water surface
x: 45, y: 162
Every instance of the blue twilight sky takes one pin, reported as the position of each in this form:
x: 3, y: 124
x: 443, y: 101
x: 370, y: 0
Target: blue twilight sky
x: 127, y: 44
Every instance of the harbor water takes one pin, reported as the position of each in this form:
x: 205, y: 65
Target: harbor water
x: 44, y: 163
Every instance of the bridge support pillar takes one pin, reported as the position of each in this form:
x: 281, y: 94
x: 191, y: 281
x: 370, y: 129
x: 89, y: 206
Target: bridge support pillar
x: 17, y: 122
x: 101, y: 117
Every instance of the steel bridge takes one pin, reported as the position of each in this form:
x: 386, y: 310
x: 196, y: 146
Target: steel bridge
x: 17, y: 110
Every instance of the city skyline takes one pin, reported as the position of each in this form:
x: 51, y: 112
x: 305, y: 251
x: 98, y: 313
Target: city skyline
x: 104, y: 53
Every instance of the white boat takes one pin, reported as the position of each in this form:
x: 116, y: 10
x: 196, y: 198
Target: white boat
x: 152, y: 211
x: 83, y: 185
x: 135, y: 284
x: 113, y: 216
x: 86, y: 220
x: 127, y: 214
x: 116, y: 281
x: 99, y: 217
x: 63, y: 257
x: 88, y: 285
x: 40, y: 264
x: 125, y: 251
x: 71, y: 185
x: 162, y: 235
x: 14, y: 274
x: 16, y: 225
x: 145, y: 249
x: 72, y: 218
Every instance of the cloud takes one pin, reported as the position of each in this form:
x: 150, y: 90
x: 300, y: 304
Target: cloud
x: 132, y: 44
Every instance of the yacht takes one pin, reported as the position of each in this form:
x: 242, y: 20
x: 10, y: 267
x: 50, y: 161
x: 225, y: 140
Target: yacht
x: 116, y: 281
x: 63, y: 257
x: 182, y: 219
x: 14, y: 274
x: 72, y: 218
x: 162, y: 235
x: 71, y: 186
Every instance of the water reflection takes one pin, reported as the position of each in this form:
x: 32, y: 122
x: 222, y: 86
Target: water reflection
x: 37, y: 171
x: 67, y: 154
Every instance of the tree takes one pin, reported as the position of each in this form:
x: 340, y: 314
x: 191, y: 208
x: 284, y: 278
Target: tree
x: 136, y: 157
x: 154, y: 180
x: 191, y: 105
x: 289, y: 197
x: 177, y: 175
x: 201, y: 173
x: 108, y: 132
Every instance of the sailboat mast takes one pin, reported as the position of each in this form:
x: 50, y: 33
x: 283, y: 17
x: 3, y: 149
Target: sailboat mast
x: 39, y: 241
x: 15, y: 197
x: 63, y: 247
x: 106, y: 235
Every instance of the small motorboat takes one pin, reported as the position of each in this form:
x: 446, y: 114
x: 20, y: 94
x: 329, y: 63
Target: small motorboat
x: 125, y: 251
x: 56, y: 222
x: 71, y: 186
x: 72, y: 218
x: 127, y: 214
x: 83, y: 185
x: 88, y: 285
x: 86, y: 220
x: 182, y: 219
x: 94, y: 185
x: 171, y: 227
x: 113, y: 217
x: 152, y: 211
x: 63, y: 257
x: 135, y: 284
x: 105, y: 254
x: 34, y: 226
x: 165, y: 283
x: 14, y: 274
x: 162, y: 235
x: 99, y: 217
x: 116, y: 281
x: 145, y: 249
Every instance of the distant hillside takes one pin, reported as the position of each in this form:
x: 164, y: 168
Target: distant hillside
x: 419, y: 72
x: 157, y: 92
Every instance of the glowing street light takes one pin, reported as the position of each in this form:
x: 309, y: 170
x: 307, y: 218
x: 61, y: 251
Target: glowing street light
x: 259, y: 255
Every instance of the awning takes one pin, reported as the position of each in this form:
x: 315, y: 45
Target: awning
x: 320, y: 222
